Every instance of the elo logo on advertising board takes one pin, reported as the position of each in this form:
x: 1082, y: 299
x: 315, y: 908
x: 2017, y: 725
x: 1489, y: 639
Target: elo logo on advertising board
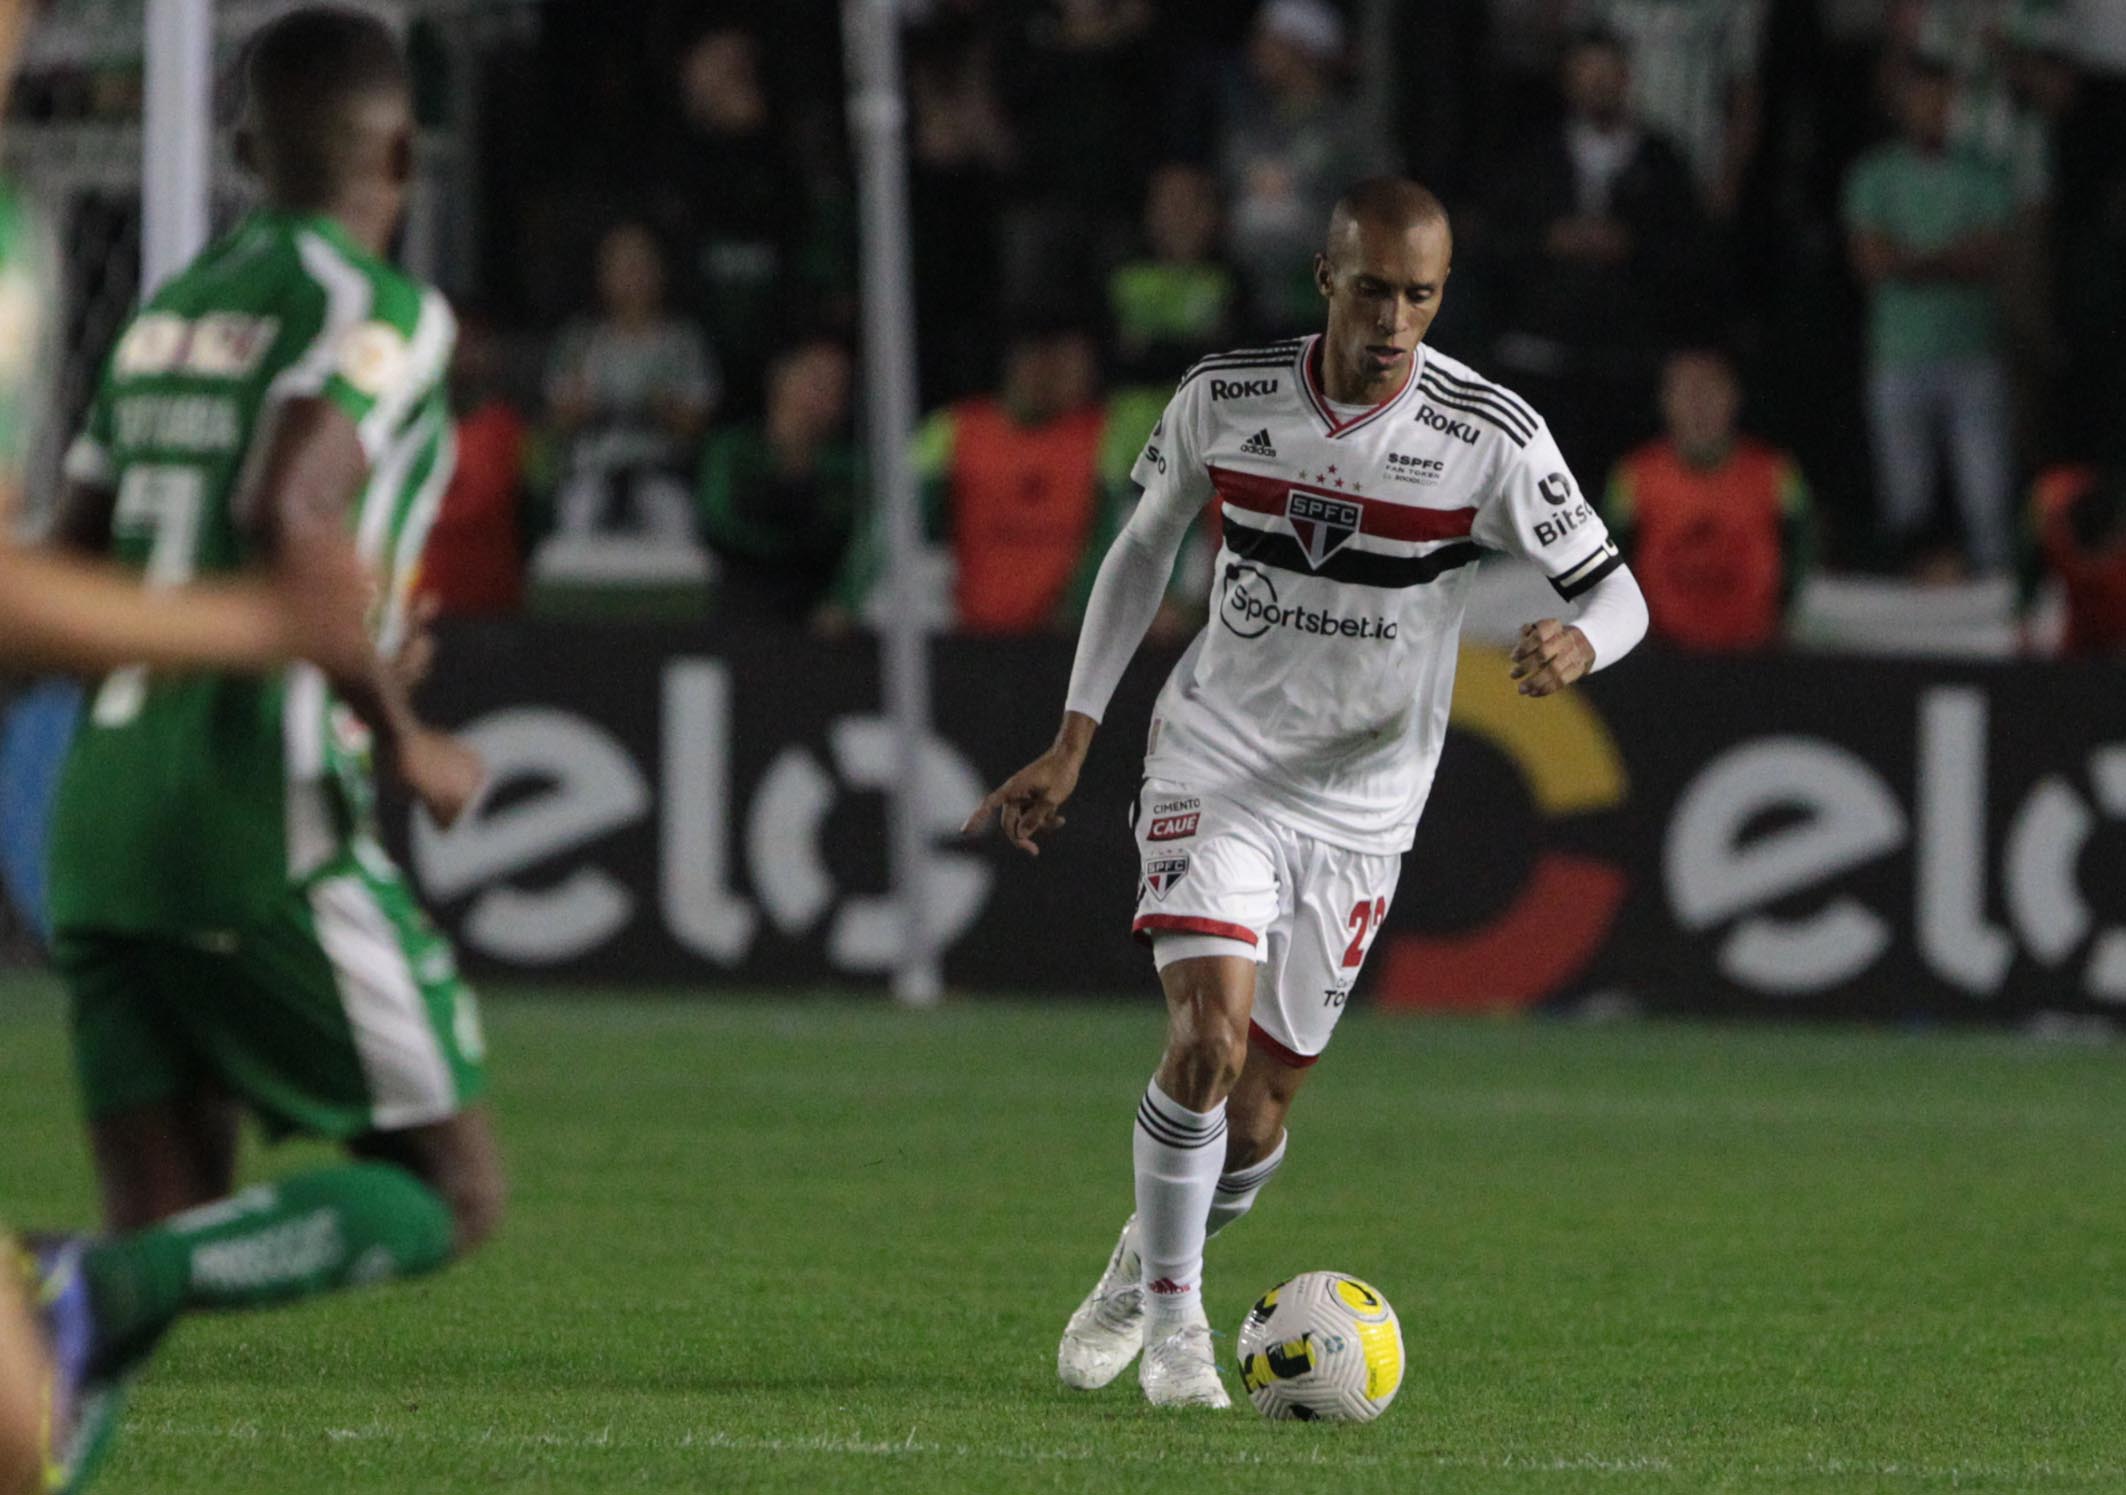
x: 1843, y: 836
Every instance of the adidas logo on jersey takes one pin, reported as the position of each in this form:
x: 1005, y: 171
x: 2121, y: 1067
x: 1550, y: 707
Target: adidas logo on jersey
x: 1258, y: 445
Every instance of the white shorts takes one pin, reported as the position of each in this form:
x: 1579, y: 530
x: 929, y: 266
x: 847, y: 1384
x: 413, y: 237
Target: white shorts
x: 1212, y: 870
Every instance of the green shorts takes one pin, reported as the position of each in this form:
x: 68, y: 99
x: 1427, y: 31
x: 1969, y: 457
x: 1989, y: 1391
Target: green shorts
x: 337, y: 1013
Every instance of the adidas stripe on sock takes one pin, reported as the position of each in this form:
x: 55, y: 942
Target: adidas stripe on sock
x: 1179, y: 1154
x: 1236, y: 1191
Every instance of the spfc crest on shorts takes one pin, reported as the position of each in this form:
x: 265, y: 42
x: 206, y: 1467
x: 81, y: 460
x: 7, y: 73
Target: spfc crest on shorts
x: 1161, y: 873
x: 1322, y: 524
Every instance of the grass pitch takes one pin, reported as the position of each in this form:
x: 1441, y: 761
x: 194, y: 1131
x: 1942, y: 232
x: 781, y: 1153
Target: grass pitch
x: 824, y: 1246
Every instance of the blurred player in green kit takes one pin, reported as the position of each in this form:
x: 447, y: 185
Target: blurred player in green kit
x: 229, y: 932
x: 58, y: 612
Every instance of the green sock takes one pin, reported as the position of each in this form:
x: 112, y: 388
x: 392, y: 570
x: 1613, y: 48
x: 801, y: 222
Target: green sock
x: 276, y: 1243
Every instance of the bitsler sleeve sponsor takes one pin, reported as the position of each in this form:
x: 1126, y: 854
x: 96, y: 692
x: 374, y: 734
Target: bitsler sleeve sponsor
x: 1536, y: 511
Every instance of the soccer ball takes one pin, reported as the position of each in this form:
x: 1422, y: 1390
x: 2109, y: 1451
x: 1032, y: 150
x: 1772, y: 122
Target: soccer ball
x: 1323, y: 1346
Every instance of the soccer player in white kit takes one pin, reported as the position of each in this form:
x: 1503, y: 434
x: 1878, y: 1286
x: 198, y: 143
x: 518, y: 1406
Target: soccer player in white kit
x: 1359, y: 475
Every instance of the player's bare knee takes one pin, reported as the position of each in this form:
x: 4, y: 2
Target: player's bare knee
x: 1204, y: 1055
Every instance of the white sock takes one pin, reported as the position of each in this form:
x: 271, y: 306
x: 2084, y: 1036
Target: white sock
x: 1178, y: 1153
x: 1236, y: 1191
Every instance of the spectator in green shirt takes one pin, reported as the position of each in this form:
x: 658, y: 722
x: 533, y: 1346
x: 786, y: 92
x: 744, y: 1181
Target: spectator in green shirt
x: 779, y: 496
x: 1170, y: 306
x: 1178, y: 300
x: 1927, y: 229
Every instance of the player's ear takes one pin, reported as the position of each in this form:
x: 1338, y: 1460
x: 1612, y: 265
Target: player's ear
x: 1321, y: 274
x: 402, y: 156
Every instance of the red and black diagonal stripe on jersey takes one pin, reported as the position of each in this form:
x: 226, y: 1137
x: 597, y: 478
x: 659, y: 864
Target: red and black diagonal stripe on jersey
x: 1246, y: 495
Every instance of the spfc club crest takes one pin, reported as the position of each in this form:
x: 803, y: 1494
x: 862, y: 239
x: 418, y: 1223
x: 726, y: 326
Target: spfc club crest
x: 1161, y: 873
x: 1322, y: 524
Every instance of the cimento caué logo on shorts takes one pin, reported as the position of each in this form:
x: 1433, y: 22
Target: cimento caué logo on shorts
x: 1174, y: 819
x: 1173, y: 827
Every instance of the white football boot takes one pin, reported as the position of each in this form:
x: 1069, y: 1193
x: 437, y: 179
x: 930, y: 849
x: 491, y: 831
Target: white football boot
x: 1180, y: 1366
x: 1106, y: 1332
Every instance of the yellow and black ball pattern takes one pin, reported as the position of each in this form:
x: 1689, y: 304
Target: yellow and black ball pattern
x: 1324, y: 1346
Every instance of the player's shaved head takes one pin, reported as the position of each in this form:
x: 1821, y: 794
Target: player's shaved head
x: 1395, y: 204
x: 1382, y: 273
x: 328, y: 103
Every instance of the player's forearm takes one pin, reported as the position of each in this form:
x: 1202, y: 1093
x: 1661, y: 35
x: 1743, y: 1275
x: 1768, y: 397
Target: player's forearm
x: 63, y: 614
x: 1612, y: 617
x: 365, y: 679
x: 314, y: 463
x: 1125, y: 598
x: 1075, y: 736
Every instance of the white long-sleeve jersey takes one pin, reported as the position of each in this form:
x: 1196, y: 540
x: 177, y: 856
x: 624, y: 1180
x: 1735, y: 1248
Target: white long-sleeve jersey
x: 1319, y: 689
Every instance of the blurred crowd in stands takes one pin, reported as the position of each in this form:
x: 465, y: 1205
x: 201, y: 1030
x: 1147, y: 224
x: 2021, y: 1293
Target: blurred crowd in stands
x: 1815, y: 283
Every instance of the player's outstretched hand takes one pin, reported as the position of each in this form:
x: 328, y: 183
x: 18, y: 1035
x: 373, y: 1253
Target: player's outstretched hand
x: 445, y: 773
x: 1027, y: 803
x: 1550, y: 656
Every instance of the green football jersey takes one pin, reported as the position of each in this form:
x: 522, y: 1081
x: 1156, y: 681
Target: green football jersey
x: 191, y: 801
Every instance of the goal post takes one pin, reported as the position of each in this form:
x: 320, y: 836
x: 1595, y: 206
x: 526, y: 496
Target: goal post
x: 177, y: 136
x: 878, y: 123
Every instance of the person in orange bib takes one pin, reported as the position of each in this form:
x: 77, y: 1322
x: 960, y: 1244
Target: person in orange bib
x: 1011, y: 486
x: 1716, y: 523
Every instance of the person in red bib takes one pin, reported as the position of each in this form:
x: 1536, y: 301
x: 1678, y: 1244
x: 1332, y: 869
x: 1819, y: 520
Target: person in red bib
x: 1021, y: 486
x: 1716, y: 523
x: 1011, y: 486
x: 473, y: 566
x: 2077, y: 533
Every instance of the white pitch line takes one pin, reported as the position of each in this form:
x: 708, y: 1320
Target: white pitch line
x: 909, y: 1446
x: 1902, y: 1113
